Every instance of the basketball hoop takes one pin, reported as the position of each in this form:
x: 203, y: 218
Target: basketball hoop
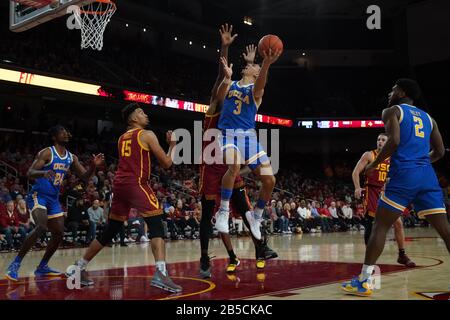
x: 93, y: 19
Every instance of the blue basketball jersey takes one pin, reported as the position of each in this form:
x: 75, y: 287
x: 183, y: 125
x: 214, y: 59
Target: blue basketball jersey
x: 60, y: 165
x: 239, y: 108
x: 415, y: 130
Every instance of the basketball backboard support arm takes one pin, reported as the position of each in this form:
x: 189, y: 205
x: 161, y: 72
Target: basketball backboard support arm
x: 21, y: 20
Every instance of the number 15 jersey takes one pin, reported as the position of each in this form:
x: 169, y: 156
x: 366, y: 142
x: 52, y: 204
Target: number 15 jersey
x: 134, y: 159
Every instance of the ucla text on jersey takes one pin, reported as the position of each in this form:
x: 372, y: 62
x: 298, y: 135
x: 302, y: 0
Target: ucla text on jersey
x: 45, y: 192
x: 239, y: 108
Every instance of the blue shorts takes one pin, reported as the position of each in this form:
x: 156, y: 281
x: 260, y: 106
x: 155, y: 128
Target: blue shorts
x: 246, y: 142
x: 418, y: 186
x: 42, y: 201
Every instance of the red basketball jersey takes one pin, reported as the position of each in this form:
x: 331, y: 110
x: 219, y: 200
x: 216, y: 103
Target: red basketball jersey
x: 211, y: 174
x: 378, y: 177
x: 134, y: 159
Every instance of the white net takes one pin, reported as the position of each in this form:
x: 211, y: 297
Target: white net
x: 93, y: 19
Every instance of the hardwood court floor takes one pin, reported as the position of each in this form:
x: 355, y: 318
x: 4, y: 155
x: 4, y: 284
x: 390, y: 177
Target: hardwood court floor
x: 308, y: 267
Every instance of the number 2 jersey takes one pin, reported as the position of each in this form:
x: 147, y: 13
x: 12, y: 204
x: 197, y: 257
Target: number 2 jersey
x: 415, y: 130
x: 412, y: 179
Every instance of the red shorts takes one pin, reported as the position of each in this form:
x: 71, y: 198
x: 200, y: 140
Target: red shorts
x: 211, y: 180
x: 371, y: 197
x: 136, y: 196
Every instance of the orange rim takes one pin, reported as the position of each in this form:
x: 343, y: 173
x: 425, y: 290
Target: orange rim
x: 100, y: 12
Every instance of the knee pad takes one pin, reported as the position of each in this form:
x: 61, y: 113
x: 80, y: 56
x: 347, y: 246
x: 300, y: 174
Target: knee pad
x: 155, y: 226
x: 112, y: 229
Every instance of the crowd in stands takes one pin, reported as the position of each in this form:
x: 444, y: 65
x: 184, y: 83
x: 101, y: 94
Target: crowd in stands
x: 300, y: 204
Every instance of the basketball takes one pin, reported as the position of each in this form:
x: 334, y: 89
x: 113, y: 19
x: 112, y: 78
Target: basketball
x: 270, y: 41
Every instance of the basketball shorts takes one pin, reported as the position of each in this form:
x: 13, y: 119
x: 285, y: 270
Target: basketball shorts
x: 211, y: 180
x: 246, y: 142
x: 371, y: 198
x: 418, y: 186
x: 137, y: 196
x: 50, y: 203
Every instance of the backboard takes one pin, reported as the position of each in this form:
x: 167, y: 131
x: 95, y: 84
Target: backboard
x: 26, y: 14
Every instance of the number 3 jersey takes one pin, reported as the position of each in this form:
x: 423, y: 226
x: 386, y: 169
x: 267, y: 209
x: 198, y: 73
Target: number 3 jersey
x: 58, y: 164
x: 239, y: 108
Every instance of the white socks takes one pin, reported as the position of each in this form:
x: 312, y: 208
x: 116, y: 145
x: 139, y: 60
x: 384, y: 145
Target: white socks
x: 225, y: 205
x: 82, y: 264
x: 161, y: 266
x: 258, y: 212
x: 366, y: 272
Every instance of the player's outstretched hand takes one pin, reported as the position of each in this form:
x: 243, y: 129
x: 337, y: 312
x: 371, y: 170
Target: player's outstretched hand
x: 98, y: 159
x: 50, y: 174
x: 358, y: 193
x: 171, y: 138
x: 271, y: 56
x: 227, y: 70
x: 226, y: 34
x: 250, y: 53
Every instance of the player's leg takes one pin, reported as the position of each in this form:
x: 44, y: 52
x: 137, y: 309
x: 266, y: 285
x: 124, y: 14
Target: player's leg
x: 206, y: 231
x: 399, y: 233
x: 430, y: 205
x: 144, y: 200
x: 368, y: 225
x: 39, y: 213
x: 56, y: 228
x: 161, y: 277
x: 442, y: 226
x: 384, y: 220
x: 111, y: 230
x: 263, y: 170
x: 241, y: 204
x: 232, y: 159
x: 117, y: 215
x: 233, y: 260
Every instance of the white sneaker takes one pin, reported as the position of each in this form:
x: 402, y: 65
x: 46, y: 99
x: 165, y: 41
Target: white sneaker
x: 222, y: 217
x: 144, y: 239
x: 255, y: 224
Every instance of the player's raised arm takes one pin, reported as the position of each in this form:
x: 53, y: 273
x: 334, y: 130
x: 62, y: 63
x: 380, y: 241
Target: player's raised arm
x: 260, y: 83
x: 83, y: 173
x: 150, y: 140
x: 390, y: 118
x: 227, y: 39
x: 42, y: 158
x: 366, y: 158
x: 437, y: 145
x: 225, y: 84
